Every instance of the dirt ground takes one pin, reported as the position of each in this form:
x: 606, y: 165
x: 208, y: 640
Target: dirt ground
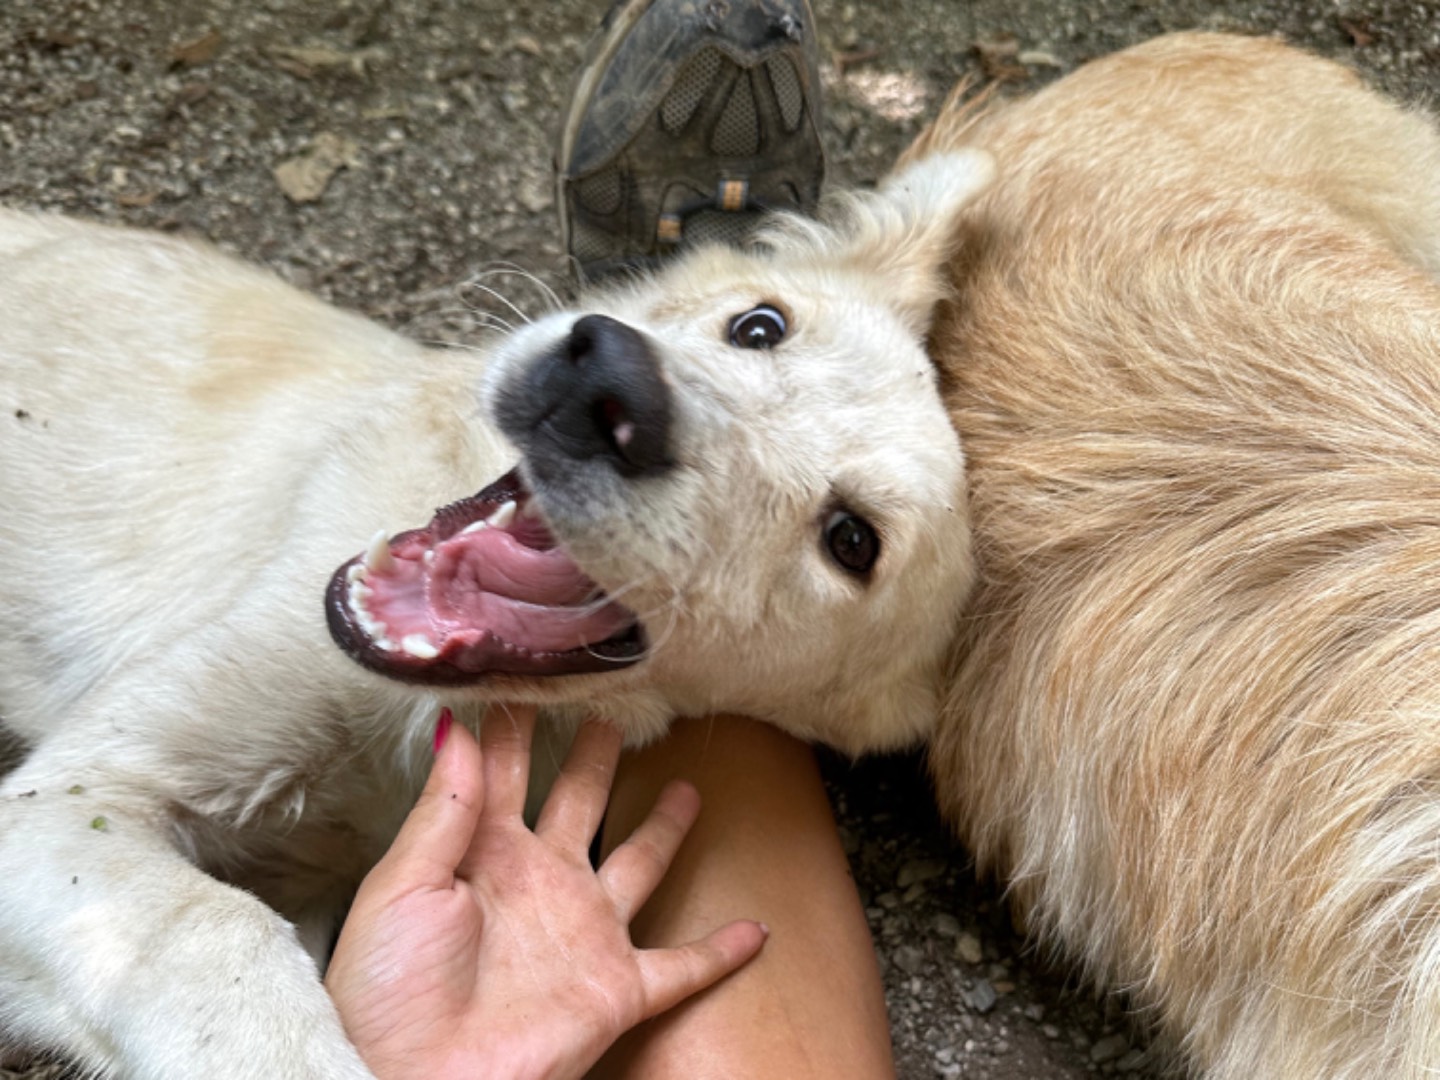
x: 425, y: 127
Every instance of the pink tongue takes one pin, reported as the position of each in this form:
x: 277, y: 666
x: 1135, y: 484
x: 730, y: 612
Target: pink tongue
x: 493, y: 561
x: 486, y: 581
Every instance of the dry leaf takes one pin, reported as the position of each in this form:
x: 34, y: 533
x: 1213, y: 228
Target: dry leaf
x: 137, y: 201
x: 1359, y: 30
x: 305, y: 60
x: 199, y: 51
x: 998, y: 55
x: 846, y: 60
x: 1039, y: 58
x: 291, y: 67
x: 59, y: 39
x: 304, y: 178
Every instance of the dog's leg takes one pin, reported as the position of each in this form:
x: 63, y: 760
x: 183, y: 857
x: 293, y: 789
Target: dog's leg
x: 119, y: 952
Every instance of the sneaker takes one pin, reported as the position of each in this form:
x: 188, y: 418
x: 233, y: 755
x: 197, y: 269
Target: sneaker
x: 690, y: 119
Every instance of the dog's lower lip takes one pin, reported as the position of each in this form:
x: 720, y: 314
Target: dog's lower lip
x: 483, y: 590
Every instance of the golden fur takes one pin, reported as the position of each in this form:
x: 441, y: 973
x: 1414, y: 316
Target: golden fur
x: 1193, y: 354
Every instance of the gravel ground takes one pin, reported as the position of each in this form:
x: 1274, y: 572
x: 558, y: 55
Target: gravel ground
x: 422, y: 129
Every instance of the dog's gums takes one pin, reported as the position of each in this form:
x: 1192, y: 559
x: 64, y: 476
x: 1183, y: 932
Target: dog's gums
x: 483, y: 589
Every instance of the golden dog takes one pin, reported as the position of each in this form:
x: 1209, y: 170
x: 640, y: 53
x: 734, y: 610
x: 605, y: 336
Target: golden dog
x: 1193, y: 354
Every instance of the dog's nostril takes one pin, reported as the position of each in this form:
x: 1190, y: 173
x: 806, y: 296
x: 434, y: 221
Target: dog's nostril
x: 580, y: 342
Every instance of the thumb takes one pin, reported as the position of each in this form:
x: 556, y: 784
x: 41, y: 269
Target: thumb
x: 670, y: 976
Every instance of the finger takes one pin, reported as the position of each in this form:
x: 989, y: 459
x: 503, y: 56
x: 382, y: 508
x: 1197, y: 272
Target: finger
x: 505, y: 737
x: 637, y: 866
x: 669, y: 976
x: 437, y: 832
x: 576, y: 804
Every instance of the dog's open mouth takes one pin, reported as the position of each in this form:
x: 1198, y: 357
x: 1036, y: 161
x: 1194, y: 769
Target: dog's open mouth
x: 484, y: 589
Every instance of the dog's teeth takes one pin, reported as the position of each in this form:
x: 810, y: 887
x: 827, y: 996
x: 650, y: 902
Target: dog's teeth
x: 373, y: 628
x: 429, y: 557
x: 355, y: 573
x: 418, y: 645
x: 377, y: 555
x: 501, y: 518
x: 476, y: 527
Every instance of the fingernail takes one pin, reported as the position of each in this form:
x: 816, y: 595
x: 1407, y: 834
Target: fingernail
x: 442, y: 727
x: 765, y: 930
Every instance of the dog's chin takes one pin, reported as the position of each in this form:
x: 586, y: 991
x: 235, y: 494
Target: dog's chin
x: 482, y: 593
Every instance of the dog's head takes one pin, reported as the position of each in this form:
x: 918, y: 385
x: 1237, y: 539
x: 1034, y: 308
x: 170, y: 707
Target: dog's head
x: 738, y: 490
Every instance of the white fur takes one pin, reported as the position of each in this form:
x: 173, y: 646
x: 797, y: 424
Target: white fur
x: 190, y: 448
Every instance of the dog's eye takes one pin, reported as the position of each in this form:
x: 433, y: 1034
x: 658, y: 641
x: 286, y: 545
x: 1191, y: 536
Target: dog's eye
x: 761, y: 327
x: 851, y: 541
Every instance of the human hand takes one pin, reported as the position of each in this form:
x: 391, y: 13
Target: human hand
x: 477, y: 947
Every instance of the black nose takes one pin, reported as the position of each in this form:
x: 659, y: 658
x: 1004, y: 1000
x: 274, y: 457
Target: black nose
x: 598, y: 393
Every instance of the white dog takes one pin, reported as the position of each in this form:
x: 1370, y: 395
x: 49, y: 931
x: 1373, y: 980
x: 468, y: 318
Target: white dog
x: 737, y: 489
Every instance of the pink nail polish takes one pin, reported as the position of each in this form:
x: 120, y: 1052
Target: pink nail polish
x: 442, y: 727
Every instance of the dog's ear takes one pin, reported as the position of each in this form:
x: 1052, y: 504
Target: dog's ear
x: 899, y: 237
x: 906, y: 231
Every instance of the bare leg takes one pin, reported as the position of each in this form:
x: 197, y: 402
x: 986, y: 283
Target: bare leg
x: 765, y: 848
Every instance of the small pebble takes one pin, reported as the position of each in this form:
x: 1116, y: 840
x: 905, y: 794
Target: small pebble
x: 918, y: 870
x: 968, y: 948
x: 1109, y: 1048
x: 1133, y: 1061
x: 946, y: 925
x: 981, y: 997
x: 909, y: 959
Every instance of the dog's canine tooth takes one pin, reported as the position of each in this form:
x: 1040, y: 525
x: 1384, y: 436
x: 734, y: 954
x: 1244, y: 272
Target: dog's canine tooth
x: 503, y: 516
x: 419, y: 646
x: 354, y: 574
x: 474, y: 527
x: 377, y: 554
